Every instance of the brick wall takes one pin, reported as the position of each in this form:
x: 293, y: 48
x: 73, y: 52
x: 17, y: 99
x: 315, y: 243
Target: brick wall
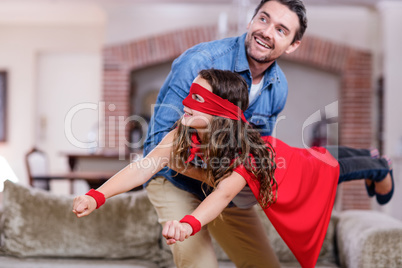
x: 352, y: 65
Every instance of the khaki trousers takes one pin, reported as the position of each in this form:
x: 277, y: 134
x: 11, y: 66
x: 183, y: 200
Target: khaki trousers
x: 238, y: 231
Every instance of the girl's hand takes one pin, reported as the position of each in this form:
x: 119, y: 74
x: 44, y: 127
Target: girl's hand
x: 83, y: 205
x: 174, y: 231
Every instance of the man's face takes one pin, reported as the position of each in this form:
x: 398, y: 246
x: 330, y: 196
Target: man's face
x: 271, y: 32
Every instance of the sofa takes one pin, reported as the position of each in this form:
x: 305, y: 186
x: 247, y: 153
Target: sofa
x: 38, y: 229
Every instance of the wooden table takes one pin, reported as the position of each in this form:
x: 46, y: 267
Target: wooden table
x: 94, y: 178
x: 93, y: 175
x: 74, y: 158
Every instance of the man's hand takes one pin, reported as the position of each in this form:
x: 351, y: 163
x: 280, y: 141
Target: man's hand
x: 174, y: 231
x: 83, y: 205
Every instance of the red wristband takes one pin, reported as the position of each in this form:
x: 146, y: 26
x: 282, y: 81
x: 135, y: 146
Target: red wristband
x: 194, y: 223
x: 98, y: 196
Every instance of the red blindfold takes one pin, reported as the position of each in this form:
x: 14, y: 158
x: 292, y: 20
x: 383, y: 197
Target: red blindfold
x: 213, y: 104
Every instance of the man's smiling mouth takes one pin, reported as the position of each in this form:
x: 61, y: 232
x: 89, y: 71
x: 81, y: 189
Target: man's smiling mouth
x: 262, y: 43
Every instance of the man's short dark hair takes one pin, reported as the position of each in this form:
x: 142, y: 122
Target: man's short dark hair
x: 297, y: 6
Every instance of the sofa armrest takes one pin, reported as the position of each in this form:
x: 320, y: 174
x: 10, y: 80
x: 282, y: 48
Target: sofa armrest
x: 369, y: 239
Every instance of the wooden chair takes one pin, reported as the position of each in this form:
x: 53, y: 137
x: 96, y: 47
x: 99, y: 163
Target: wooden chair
x: 37, y: 164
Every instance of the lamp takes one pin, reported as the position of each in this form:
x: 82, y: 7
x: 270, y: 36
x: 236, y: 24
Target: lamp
x: 6, y: 173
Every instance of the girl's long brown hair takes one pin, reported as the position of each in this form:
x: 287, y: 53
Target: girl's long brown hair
x: 226, y: 140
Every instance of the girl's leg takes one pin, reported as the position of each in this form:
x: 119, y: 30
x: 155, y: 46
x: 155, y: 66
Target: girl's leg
x: 340, y: 152
x: 357, y: 164
x: 376, y: 172
x: 362, y: 167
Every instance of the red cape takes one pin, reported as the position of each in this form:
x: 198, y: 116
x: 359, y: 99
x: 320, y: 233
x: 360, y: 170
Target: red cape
x: 307, y: 182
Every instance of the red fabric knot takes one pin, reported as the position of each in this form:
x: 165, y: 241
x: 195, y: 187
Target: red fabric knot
x: 195, y: 149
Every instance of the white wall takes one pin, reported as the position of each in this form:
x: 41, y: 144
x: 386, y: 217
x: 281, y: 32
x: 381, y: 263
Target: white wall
x: 66, y: 81
x: 130, y: 21
x: 26, y: 32
x: 391, y: 34
x: 355, y: 26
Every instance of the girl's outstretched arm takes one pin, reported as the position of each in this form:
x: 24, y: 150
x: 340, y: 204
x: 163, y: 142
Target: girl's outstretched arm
x: 133, y: 175
x: 208, y: 210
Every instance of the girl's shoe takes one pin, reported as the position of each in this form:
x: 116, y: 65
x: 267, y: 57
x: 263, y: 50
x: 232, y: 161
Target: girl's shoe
x: 382, y: 199
x: 370, y: 188
x: 375, y: 154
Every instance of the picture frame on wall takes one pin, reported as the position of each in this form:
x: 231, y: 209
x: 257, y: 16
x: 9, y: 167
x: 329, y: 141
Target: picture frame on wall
x: 3, y: 106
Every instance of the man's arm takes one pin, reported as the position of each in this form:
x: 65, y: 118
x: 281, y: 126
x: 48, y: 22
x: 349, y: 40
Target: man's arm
x: 208, y: 210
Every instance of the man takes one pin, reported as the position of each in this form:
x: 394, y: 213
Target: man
x: 276, y: 28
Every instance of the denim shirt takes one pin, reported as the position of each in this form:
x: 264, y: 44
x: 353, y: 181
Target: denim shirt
x: 225, y: 54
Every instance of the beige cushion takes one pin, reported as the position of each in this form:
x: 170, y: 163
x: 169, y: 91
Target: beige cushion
x: 38, y: 223
x: 369, y: 239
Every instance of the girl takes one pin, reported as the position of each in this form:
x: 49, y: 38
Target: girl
x: 296, y: 187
